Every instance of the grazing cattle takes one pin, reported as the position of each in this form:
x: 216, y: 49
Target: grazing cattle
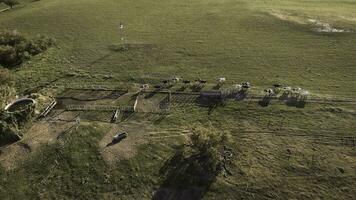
x: 297, y: 89
x: 287, y: 88
x: 186, y: 82
x: 269, y: 91
x: 145, y: 86
x: 175, y: 79
x: 222, y: 80
x: 305, y: 93
x: 246, y: 85
x: 202, y: 81
x: 238, y: 86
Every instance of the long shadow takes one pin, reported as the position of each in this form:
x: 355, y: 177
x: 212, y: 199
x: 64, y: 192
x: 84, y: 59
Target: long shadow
x: 217, y: 87
x: 284, y: 96
x: 265, y: 101
x: 134, y: 96
x: 296, y: 102
x: 185, y: 178
x: 196, y: 88
x: 8, y: 139
x: 159, y: 119
x: 126, y: 115
x: 210, y: 102
x: 241, y: 95
x: 113, y: 142
x: 111, y: 95
x: 164, y: 103
x: 151, y: 94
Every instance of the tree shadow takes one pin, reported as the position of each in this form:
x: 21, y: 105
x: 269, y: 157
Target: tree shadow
x: 296, y: 102
x: 185, y: 178
x: 210, y: 102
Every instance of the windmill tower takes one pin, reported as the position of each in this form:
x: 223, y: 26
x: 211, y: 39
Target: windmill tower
x: 121, y: 32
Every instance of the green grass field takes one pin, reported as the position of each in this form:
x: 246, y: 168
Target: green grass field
x: 236, y: 39
x: 281, y: 152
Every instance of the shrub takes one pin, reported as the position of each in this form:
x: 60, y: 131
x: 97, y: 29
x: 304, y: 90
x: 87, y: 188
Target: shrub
x: 7, y: 134
x: 10, y: 3
x: 39, y: 44
x: 7, y: 94
x: 5, y: 77
x: 15, y: 49
x: 207, y: 143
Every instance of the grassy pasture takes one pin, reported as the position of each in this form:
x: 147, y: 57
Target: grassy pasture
x: 281, y: 151
x: 236, y: 39
x: 279, y: 154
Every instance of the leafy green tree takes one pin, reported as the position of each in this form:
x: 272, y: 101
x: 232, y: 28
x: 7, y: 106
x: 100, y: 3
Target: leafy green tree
x: 15, y: 49
x: 199, y: 162
x: 210, y: 145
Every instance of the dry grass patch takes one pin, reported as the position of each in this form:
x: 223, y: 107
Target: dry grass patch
x: 39, y: 134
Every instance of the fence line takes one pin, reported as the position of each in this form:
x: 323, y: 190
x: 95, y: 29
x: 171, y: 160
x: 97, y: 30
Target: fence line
x: 73, y: 107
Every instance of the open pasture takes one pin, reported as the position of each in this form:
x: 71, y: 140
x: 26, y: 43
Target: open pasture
x: 281, y: 150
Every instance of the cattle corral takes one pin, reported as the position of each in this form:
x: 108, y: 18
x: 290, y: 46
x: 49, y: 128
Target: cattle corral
x: 277, y: 78
x: 104, y: 102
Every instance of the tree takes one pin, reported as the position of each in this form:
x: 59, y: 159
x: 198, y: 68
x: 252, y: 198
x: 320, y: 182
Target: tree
x: 210, y: 145
x: 10, y: 3
x: 197, y: 164
x: 7, y: 94
x: 15, y: 49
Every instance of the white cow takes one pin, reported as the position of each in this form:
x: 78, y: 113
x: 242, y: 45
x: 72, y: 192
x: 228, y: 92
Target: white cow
x: 175, y: 79
x: 222, y: 80
x: 145, y: 86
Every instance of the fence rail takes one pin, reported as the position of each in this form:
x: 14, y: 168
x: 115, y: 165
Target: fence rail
x: 72, y: 107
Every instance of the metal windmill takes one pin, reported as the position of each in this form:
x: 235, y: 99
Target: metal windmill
x: 121, y: 31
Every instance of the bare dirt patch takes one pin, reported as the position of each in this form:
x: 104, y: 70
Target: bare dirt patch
x: 150, y: 102
x: 288, y: 17
x: 127, y: 147
x: 317, y: 25
x: 325, y: 27
x: 39, y: 134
